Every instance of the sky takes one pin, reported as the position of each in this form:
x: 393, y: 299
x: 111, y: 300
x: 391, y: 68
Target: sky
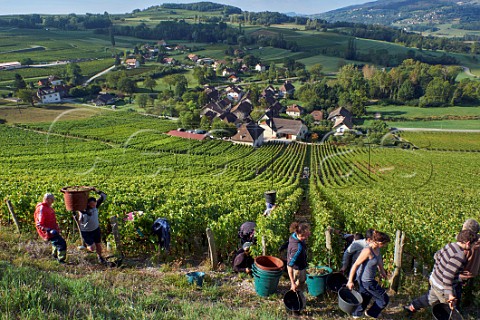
x: 121, y: 6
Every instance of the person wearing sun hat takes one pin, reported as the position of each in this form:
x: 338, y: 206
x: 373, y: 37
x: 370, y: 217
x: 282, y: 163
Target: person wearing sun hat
x: 243, y: 260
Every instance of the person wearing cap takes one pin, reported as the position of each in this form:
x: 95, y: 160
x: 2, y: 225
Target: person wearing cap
x: 47, y: 227
x: 243, y: 260
x: 90, y: 226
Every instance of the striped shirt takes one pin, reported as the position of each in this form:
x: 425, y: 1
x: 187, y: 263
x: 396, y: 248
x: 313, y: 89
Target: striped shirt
x: 449, y: 262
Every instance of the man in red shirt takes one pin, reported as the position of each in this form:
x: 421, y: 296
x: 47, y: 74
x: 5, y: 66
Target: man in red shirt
x: 47, y: 227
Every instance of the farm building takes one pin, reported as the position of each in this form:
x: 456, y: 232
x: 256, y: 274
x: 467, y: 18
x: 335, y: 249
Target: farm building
x: 48, y: 95
x: 250, y: 134
x: 279, y: 128
x: 342, y: 119
x: 295, y: 111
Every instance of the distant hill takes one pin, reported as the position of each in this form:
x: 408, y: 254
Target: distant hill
x: 409, y: 12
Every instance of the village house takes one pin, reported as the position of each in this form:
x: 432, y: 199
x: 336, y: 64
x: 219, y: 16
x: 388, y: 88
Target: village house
x: 268, y: 100
x: 212, y: 110
x: 193, y: 57
x: 342, y: 120
x: 43, y: 82
x: 104, y: 99
x: 228, y: 72
x: 48, y: 95
x: 205, y: 61
x: 55, y: 81
x: 180, y: 47
x: 243, y: 109
x: 62, y: 90
x: 162, y: 43
x: 249, y: 134
x: 287, y: 89
x: 219, y: 64
x: 260, y: 68
x: 211, y: 92
x: 295, y: 111
x: 284, y: 129
x: 229, y: 117
x: 233, y: 78
x: 317, y: 116
x: 233, y: 92
x: 132, y: 63
x: 269, y: 92
x: 169, y: 61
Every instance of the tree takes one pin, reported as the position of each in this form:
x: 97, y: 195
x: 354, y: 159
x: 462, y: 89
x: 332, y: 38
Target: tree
x: 74, y: 74
x: 199, y: 74
x: 181, y: 84
x: 406, y: 91
x: 223, y: 129
x: 150, y: 83
x: 190, y: 119
x: 18, y: 82
x: 27, y: 96
x: 127, y: 85
x: 351, y: 50
x: 141, y: 100
x: 205, y: 123
x: 438, y: 93
x: 316, y: 72
x: 202, y: 98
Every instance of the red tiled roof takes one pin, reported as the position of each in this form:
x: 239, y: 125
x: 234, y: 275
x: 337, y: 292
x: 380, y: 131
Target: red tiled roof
x: 187, y: 135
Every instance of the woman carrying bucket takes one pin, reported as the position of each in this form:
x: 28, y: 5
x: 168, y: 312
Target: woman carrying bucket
x: 297, y: 255
x: 365, y: 267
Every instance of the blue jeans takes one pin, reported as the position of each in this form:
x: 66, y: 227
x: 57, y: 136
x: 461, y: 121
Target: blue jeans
x: 369, y: 290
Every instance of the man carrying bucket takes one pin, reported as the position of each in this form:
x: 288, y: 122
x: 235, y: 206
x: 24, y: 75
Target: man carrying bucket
x: 297, y: 255
x: 47, y: 227
x: 449, y: 262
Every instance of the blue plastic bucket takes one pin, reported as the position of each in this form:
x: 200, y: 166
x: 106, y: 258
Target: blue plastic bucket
x: 196, y: 277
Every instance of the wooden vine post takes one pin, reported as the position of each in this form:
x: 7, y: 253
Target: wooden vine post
x: 397, y: 260
x: 328, y: 243
x: 264, y: 246
x: 116, y: 234
x: 12, y: 212
x: 212, y: 248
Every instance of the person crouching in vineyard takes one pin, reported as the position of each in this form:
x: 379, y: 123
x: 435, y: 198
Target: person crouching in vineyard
x: 297, y: 255
x: 449, y: 262
x: 47, y: 227
x: 243, y: 259
x: 365, y: 268
x: 246, y: 232
x: 90, y: 226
